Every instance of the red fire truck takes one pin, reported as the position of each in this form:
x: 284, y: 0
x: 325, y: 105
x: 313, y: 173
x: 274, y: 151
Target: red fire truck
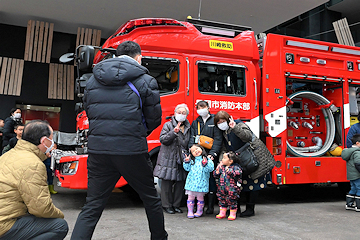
x: 294, y: 93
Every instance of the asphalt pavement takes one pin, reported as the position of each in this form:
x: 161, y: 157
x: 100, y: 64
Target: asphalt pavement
x: 298, y: 212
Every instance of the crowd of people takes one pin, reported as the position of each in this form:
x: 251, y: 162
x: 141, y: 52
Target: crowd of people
x: 199, y: 178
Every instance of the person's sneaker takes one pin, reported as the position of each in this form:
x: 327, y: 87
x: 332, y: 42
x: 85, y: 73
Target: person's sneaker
x: 350, y: 207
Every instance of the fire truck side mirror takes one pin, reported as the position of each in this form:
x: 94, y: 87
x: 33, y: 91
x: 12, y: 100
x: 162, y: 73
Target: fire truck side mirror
x: 86, y: 57
x: 79, y: 107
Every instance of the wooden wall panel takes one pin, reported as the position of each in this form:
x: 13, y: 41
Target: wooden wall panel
x: 20, y: 76
x: 61, y: 81
x: 88, y: 36
x: 38, y: 41
x: 343, y: 33
x: 11, y: 72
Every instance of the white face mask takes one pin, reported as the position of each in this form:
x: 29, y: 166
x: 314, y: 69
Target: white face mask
x: 223, y: 126
x: 203, y: 112
x: 180, y: 117
x: 48, y: 149
x: 17, y: 115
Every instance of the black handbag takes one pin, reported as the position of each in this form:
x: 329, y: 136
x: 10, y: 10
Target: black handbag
x: 248, y: 160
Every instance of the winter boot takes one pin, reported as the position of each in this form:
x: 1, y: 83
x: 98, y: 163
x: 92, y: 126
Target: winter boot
x: 190, y: 206
x: 222, y: 213
x: 350, y: 203
x: 211, y: 198
x: 200, y: 208
x: 251, y: 197
x: 249, y: 212
x: 232, y: 214
x: 357, y: 201
x: 51, y: 189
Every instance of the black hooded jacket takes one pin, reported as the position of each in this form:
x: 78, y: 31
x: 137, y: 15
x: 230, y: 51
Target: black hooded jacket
x: 113, y: 108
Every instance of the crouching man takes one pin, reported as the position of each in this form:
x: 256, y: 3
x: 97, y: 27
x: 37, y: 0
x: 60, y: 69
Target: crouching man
x: 26, y: 209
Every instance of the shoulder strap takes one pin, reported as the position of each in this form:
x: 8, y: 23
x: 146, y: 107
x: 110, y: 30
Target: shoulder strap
x: 137, y: 93
x: 198, y: 128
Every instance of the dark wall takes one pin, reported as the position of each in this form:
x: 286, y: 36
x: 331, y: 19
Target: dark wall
x: 315, y: 24
x: 34, y: 89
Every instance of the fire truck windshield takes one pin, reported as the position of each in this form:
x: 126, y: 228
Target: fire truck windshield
x: 223, y: 79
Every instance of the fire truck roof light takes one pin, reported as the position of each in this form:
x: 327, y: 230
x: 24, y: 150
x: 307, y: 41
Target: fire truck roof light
x: 218, y: 31
x: 344, y: 50
x: 146, y: 22
x: 307, y: 45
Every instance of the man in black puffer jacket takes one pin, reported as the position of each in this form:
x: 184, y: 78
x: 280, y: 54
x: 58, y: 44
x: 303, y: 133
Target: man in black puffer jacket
x: 117, y: 142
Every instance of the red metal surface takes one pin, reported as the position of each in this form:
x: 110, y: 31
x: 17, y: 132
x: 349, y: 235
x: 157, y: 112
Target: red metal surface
x: 79, y: 180
x: 82, y: 121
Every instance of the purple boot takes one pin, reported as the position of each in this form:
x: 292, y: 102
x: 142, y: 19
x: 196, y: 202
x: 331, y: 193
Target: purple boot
x: 200, y: 208
x: 190, y: 206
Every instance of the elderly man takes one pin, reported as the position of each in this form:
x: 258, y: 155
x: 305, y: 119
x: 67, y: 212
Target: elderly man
x: 26, y: 209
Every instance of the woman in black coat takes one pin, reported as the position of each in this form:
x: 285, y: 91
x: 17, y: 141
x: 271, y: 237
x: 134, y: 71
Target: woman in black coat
x: 174, y: 137
x: 236, y: 134
x: 10, y: 122
x: 205, y: 125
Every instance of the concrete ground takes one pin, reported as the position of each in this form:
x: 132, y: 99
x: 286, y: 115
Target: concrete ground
x: 298, y: 212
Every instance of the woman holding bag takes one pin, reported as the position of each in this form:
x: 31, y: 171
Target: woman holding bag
x: 236, y: 134
x: 174, y: 137
x: 204, y: 132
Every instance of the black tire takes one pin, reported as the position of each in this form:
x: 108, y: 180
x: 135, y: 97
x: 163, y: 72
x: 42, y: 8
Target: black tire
x: 153, y: 159
x: 344, y: 187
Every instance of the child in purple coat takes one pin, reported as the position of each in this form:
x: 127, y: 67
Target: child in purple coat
x: 228, y: 173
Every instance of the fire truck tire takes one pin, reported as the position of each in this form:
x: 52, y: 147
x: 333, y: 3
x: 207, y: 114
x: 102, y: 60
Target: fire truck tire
x: 315, y: 151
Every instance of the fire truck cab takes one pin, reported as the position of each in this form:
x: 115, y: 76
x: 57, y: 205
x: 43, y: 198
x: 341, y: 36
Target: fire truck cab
x: 292, y: 92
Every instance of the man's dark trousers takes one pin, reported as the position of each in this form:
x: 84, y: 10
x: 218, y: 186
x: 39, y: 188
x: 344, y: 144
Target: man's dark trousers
x: 103, y: 173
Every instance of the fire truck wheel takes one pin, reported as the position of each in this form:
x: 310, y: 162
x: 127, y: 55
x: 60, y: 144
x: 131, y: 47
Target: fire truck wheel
x: 153, y: 159
x: 344, y: 187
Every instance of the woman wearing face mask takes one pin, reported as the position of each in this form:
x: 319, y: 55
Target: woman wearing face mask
x: 174, y: 137
x: 205, y: 125
x: 10, y: 122
x: 236, y: 134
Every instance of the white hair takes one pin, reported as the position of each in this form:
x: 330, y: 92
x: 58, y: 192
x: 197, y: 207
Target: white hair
x: 182, y: 105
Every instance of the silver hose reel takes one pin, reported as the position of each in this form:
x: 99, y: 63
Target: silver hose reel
x: 318, y: 149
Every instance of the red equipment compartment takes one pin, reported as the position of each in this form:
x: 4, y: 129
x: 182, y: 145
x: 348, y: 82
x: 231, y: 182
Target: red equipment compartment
x: 79, y: 179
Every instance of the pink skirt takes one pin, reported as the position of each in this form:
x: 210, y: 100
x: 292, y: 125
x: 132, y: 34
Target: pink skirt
x: 196, y: 194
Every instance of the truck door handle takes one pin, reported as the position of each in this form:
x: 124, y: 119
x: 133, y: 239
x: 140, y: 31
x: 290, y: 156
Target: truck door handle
x: 256, y: 101
x: 188, y: 75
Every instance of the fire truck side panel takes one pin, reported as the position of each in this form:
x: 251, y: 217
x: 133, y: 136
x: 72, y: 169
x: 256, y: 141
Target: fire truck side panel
x: 291, y: 63
x: 314, y: 170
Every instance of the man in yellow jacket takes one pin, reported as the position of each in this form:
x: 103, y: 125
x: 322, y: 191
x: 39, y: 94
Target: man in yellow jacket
x: 26, y: 209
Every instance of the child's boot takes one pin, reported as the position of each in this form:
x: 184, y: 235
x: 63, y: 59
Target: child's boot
x: 232, y: 214
x: 190, y: 206
x: 51, y: 189
x: 350, y: 202
x: 357, y: 201
x: 222, y: 213
x: 200, y: 208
